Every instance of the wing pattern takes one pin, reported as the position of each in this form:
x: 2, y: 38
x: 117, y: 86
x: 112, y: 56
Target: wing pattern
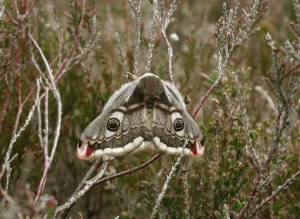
x: 146, y: 113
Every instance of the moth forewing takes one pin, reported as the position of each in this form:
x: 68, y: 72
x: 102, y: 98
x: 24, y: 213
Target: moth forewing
x: 145, y: 114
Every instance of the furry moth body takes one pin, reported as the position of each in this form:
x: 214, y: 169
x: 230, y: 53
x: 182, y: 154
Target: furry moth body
x: 147, y: 113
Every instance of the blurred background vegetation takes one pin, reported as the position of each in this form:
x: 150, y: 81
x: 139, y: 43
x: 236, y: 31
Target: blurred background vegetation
x: 201, y: 188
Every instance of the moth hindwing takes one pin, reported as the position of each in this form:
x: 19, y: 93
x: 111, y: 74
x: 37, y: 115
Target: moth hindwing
x: 145, y: 114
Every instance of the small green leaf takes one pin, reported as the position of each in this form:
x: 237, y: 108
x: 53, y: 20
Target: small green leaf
x: 254, y: 135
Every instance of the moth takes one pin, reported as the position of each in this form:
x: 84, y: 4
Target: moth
x: 145, y: 114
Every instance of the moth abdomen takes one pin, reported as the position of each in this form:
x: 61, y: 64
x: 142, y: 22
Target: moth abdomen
x: 145, y: 114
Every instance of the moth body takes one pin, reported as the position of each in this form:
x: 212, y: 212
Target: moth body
x: 145, y: 114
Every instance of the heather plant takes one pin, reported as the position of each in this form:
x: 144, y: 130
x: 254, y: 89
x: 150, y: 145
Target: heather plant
x: 237, y: 65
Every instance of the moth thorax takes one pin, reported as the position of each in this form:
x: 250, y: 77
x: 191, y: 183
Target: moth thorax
x: 151, y: 88
x: 150, y: 101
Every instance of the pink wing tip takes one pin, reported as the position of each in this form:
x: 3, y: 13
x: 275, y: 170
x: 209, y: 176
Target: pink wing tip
x: 198, y: 149
x: 84, y: 151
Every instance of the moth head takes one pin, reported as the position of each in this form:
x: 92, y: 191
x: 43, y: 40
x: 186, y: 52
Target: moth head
x: 147, y: 113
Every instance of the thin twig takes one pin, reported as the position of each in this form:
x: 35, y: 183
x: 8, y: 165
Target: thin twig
x: 59, y: 114
x: 136, y: 8
x: 46, y: 119
x: 165, y: 21
x: 64, y: 213
x: 130, y: 171
x: 2, y: 9
x: 221, y: 68
x: 170, y: 56
x: 3, y: 111
x: 88, y: 184
x: 25, y: 6
x: 165, y: 187
x: 30, y: 9
x: 228, y: 39
x: 10, y: 17
x: 122, y: 55
x: 153, y: 34
x: 275, y: 193
x: 16, y: 8
x: 7, y: 159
